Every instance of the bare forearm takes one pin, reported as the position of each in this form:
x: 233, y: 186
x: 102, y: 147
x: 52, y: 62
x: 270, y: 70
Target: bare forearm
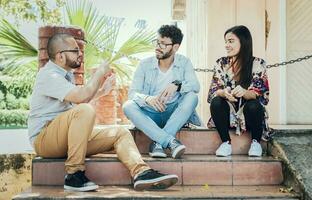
x: 86, y: 93
x: 91, y: 88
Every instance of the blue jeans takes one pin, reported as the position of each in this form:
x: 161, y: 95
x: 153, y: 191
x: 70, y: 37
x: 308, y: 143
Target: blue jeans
x: 162, y: 126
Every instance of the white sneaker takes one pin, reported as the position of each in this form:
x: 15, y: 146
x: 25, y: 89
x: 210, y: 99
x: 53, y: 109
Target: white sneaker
x: 225, y: 149
x: 255, y: 149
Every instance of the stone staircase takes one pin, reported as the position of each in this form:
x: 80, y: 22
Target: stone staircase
x: 202, y: 175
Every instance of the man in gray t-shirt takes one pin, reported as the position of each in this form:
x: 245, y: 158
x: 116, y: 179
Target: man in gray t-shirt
x: 57, y: 128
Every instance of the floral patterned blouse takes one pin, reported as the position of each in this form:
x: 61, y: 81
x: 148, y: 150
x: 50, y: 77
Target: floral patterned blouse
x: 223, y: 78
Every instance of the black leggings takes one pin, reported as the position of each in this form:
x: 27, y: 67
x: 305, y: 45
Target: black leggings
x: 253, y: 112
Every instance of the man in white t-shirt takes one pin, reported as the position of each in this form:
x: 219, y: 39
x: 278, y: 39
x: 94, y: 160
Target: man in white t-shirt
x: 163, y: 94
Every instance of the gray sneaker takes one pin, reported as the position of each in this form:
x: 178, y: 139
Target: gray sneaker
x: 177, y: 148
x: 156, y: 150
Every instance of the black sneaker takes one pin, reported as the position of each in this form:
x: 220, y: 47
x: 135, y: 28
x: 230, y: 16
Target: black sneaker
x: 79, y: 182
x: 153, y: 180
x: 156, y: 150
x: 177, y: 148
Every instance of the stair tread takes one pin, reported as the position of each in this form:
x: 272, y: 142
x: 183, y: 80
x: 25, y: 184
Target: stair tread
x: 185, y: 158
x: 111, y: 192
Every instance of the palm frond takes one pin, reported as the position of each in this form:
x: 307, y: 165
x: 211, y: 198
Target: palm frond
x: 140, y: 41
x: 19, y: 56
x: 100, y: 31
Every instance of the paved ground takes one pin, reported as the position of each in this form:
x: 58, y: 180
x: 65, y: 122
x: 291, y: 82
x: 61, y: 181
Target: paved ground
x: 297, y: 149
x: 14, y: 141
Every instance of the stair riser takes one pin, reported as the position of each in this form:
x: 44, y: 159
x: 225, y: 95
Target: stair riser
x: 202, y: 142
x: 190, y: 173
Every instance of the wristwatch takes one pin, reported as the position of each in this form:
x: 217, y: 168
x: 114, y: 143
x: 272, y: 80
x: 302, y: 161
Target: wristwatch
x: 177, y: 83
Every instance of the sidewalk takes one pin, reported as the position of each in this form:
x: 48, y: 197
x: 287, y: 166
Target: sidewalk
x: 14, y: 141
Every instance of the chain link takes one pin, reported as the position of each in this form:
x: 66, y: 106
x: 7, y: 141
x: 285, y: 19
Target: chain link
x: 268, y: 66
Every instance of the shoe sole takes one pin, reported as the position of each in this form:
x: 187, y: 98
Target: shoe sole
x: 157, y: 155
x: 254, y: 155
x: 223, y: 155
x: 179, y: 151
x: 157, y: 183
x: 219, y: 155
x: 81, y: 189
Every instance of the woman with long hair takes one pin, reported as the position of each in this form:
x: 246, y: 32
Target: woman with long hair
x: 239, y: 91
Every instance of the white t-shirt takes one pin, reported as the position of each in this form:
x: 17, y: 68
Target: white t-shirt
x: 163, y: 80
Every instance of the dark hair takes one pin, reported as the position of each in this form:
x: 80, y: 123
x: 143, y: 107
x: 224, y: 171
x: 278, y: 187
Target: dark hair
x: 55, y: 42
x: 245, y: 56
x: 172, y: 32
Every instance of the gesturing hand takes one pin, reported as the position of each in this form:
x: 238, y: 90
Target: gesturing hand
x: 167, y: 93
x: 108, y: 85
x: 238, y: 91
x: 155, y: 103
x: 104, y: 68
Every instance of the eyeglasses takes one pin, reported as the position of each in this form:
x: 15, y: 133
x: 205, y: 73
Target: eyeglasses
x: 156, y: 43
x: 71, y: 50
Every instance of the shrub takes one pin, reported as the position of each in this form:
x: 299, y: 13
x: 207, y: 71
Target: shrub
x: 13, y: 117
x: 2, y: 101
x: 23, y: 103
x: 11, y: 102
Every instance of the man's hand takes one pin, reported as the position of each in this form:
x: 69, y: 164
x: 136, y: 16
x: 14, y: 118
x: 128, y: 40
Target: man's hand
x: 155, y: 103
x: 104, y: 68
x: 238, y: 91
x: 167, y: 93
x: 108, y: 85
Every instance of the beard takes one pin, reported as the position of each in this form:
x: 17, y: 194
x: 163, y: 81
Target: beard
x: 164, y: 56
x: 73, y: 64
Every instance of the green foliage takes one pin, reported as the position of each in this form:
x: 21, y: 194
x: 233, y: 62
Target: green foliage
x: 23, y: 103
x: 11, y: 102
x: 2, y: 101
x: 17, y: 86
x: 20, y: 56
x: 32, y: 10
x: 13, y: 117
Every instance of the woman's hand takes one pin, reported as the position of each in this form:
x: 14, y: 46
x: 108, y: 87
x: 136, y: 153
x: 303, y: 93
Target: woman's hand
x: 238, y: 91
x: 226, y: 93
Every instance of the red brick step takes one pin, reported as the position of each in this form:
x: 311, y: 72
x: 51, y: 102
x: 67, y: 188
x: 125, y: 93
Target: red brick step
x: 192, y: 170
x: 201, y: 141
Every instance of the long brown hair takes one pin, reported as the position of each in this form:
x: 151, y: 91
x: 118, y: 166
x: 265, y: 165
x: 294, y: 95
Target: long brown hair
x: 244, y: 59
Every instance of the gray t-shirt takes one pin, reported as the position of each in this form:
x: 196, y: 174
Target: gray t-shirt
x: 52, y: 84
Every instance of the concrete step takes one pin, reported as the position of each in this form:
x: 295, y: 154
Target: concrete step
x: 192, y: 170
x: 176, y: 192
x: 201, y: 141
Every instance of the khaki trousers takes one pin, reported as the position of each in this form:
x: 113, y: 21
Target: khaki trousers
x: 72, y: 134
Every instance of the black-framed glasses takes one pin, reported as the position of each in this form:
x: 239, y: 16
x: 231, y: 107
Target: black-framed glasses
x: 156, y: 43
x: 70, y: 50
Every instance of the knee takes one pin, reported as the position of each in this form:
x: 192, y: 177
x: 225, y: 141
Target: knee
x: 217, y: 102
x: 123, y: 132
x: 85, y: 110
x: 253, y: 106
x: 128, y: 106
